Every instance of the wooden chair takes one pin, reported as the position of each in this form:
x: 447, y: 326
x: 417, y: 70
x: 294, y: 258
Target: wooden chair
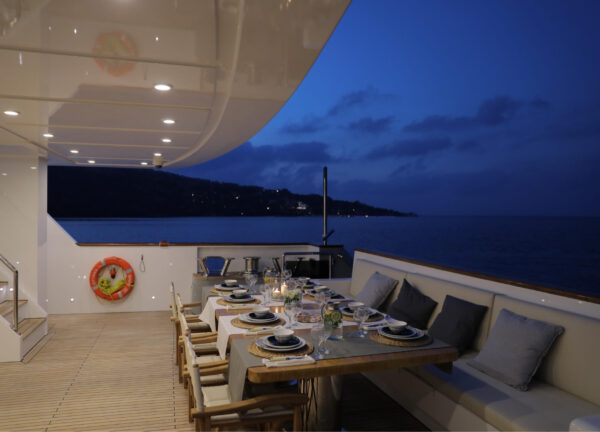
x: 211, y: 407
x: 207, y: 354
x: 201, y: 330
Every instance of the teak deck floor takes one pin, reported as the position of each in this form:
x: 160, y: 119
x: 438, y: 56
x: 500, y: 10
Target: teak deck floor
x: 116, y: 372
x: 97, y: 372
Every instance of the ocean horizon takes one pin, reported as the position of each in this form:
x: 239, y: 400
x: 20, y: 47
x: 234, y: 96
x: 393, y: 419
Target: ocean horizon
x: 552, y: 251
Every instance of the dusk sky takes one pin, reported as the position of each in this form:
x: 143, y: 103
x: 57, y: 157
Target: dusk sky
x: 441, y: 108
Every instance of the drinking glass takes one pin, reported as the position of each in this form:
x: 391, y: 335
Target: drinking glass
x: 296, y: 309
x: 251, y: 279
x: 267, y: 291
x: 288, y: 309
x: 322, y: 333
x: 302, y: 281
x: 360, y: 315
x: 287, y: 274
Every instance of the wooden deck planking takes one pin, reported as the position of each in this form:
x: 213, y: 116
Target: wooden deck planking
x: 98, y: 372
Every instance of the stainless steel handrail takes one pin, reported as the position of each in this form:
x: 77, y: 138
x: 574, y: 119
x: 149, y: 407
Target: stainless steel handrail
x: 15, y: 272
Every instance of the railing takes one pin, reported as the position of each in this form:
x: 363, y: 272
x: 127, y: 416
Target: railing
x: 15, y: 272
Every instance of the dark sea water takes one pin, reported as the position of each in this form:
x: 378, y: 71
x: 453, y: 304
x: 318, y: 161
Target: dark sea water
x: 556, y: 252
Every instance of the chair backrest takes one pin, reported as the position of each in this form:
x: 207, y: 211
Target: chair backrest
x: 173, y: 304
x: 190, y: 357
x: 185, y: 328
x: 179, y: 303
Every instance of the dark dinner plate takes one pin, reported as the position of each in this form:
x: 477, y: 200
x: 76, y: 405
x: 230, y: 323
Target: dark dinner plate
x: 268, y: 316
x: 406, y: 332
x: 290, y: 342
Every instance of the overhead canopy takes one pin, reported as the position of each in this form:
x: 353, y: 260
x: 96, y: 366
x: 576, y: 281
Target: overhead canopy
x: 82, y: 72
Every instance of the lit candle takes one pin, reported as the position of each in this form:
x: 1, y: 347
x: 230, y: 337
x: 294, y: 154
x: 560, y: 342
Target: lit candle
x: 283, y: 288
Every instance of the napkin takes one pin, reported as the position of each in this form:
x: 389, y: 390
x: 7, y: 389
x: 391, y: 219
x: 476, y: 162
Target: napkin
x: 288, y: 361
x: 260, y: 330
x: 233, y: 307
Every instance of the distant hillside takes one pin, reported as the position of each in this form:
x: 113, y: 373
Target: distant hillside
x: 118, y: 192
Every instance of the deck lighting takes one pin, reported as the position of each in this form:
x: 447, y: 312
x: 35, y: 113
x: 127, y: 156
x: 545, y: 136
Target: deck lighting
x: 48, y: 135
x: 33, y: 167
x: 4, y: 174
x: 165, y: 121
x: 144, y: 163
x: 153, y: 297
x: 166, y: 140
x: 74, y: 151
x: 11, y: 113
x: 156, y: 38
x: 163, y: 87
x: 157, y: 154
x: 92, y: 162
x: 75, y: 31
x: 72, y: 300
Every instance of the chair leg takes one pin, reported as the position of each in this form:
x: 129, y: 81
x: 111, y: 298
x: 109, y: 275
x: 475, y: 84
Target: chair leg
x: 190, y: 404
x: 180, y: 364
x: 297, y: 418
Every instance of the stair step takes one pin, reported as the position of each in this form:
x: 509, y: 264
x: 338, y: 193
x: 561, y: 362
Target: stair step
x: 6, y: 307
x: 28, y: 325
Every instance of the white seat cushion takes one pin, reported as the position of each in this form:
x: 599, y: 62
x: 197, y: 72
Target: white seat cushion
x: 543, y: 407
x: 216, y: 395
x: 199, y: 326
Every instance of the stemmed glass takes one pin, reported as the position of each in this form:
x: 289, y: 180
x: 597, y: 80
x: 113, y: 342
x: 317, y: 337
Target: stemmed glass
x: 302, y: 281
x: 360, y: 315
x: 287, y: 274
x: 251, y: 279
x: 322, y: 332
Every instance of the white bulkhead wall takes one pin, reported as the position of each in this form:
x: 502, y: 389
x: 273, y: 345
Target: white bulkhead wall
x: 23, y: 185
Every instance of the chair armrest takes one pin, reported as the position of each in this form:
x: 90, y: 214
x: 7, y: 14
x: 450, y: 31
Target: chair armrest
x: 248, y: 404
x: 339, y: 285
x: 211, y: 364
x: 213, y: 371
x: 199, y: 337
x: 191, y: 305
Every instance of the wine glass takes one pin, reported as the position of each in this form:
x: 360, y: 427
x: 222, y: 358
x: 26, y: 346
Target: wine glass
x: 296, y: 309
x: 287, y: 274
x: 360, y: 315
x: 267, y: 291
x: 302, y: 281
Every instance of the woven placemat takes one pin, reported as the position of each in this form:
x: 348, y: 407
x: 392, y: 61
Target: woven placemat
x: 220, y: 292
x: 225, y: 303
x: 425, y: 340
x: 257, y: 351
x: 377, y: 317
x: 236, y: 322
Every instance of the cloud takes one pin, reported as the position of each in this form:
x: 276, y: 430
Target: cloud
x: 410, y: 148
x: 371, y: 125
x: 351, y: 99
x: 491, y: 112
x: 261, y: 165
x: 308, y: 125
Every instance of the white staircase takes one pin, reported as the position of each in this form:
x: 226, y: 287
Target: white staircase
x: 33, y: 325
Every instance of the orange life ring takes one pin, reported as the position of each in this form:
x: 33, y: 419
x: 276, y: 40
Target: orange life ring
x: 123, y: 290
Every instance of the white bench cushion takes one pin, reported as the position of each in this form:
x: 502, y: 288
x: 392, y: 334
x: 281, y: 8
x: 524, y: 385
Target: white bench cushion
x: 543, y: 407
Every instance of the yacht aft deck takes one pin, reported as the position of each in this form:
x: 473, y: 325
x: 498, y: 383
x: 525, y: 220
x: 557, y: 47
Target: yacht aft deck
x: 111, y: 371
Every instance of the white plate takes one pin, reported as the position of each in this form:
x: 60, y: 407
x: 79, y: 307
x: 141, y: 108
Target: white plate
x: 264, y: 344
x: 227, y: 288
x: 246, y: 318
x: 418, y: 333
x: 231, y: 299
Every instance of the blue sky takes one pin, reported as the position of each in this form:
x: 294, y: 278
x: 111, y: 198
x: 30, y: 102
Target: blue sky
x: 463, y: 107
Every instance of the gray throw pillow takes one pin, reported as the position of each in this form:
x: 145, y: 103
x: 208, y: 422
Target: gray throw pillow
x: 376, y: 290
x: 412, y: 306
x: 515, y: 348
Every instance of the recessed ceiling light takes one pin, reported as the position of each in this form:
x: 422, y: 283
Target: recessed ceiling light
x: 165, y: 121
x: 163, y: 87
x: 12, y: 113
x: 144, y: 163
x: 92, y: 162
x: 74, y: 151
x: 48, y: 135
x: 157, y: 154
x: 166, y: 140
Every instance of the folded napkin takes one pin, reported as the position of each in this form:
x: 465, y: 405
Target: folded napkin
x: 260, y: 330
x: 288, y: 361
x: 233, y: 307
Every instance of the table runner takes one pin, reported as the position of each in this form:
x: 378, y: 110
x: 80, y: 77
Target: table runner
x: 240, y: 359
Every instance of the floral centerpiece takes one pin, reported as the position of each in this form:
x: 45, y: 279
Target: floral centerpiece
x: 292, y: 296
